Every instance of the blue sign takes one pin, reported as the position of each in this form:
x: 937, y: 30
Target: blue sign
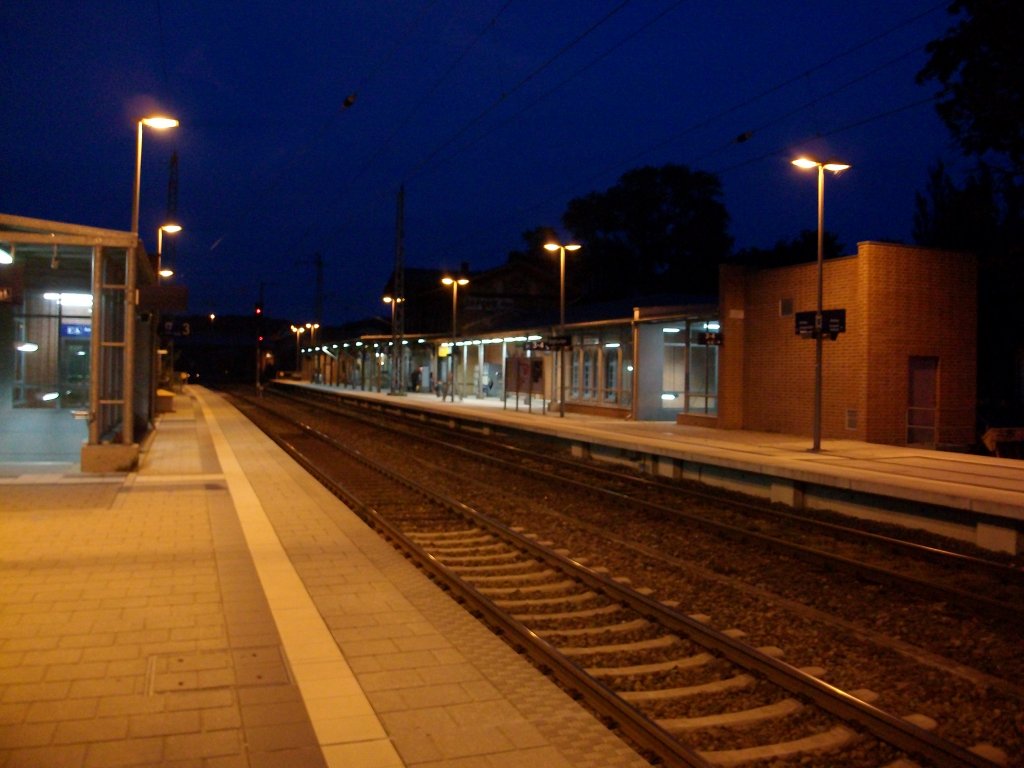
x: 75, y: 330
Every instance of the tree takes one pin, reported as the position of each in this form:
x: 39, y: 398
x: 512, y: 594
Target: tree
x: 980, y: 65
x: 800, y: 250
x: 971, y: 218
x: 658, y: 230
x: 534, y: 240
x: 958, y: 218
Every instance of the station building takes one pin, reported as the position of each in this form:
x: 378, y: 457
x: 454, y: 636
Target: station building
x: 901, y: 372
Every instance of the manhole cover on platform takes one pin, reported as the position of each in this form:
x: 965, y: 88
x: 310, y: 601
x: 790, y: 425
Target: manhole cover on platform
x: 201, y: 670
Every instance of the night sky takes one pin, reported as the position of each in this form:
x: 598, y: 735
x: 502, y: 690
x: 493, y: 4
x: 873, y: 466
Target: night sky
x: 492, y: 113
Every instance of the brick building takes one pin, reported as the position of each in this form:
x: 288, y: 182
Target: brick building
x: 904, y: 372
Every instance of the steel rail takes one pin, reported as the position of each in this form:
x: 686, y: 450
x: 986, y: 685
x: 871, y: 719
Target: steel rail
x: 970, y: 600
x: 643, y: 731
x: 1007, y: 572
x: 896, y: 731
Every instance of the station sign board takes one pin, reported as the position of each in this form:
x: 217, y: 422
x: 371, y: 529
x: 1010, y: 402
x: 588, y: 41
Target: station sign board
x: 550, y: 344
x: 833, y: 322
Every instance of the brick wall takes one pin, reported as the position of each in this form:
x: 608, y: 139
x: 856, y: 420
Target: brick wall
x: 922, y: 303
x: 900, y: 301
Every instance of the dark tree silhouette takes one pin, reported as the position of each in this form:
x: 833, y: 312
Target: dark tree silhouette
x: 799, y: 250
x: 658, y: 230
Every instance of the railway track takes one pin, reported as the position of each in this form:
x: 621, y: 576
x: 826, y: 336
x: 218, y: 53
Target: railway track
x: 681, y: 690
x: 975, y: 584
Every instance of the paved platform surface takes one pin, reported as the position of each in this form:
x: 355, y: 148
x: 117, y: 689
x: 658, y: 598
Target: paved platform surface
x: 220, y: 608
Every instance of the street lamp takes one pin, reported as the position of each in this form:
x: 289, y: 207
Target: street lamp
x: 171, y: 229
x: 316, y: 355
x: 396, y: 347
x: 298, y: 330
x: 834, y: 167
x: 454, y: 282
x: 561, y: 316
x: 161, y: 124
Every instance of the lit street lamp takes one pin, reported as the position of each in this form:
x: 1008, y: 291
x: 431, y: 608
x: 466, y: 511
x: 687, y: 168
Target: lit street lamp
x: 454, y: 282
x: 171, y: 229
x: 396, y: 347
x: 160, y: 124
x: 561, y: 316
x: 316, y: 355
x: 298, y: 330
x: 834, y: 167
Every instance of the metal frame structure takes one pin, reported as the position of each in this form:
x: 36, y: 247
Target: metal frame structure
x: 121, y: 360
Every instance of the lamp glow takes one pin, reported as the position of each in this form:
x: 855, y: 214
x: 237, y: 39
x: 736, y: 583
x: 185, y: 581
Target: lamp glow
x: 69, y: 299
x: 160, y: 122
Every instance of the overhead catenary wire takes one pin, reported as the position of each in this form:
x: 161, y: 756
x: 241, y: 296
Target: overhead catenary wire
x: 416, y: 169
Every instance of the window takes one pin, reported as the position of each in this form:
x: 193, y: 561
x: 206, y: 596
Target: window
x: 690, y: 366
x: 601, y: 370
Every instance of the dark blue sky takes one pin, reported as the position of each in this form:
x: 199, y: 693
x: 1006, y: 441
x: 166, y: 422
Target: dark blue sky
x: 493, y: 113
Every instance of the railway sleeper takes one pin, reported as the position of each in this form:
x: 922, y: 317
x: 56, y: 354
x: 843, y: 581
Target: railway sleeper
x: 478, y: 559
x: 526, y: 576
x: 470, y: 550
x: 446, y: 545
x: 688, y: 662
x: 580, y: 597
x: 449, y: 535
x: 586, y: 613
x: 715, y: 686
x: 834, y: 738
x: 665, y: 641
x: 776, y: 711
x: 468, y: 570
x: 624, y: 626
x: 555, y: 586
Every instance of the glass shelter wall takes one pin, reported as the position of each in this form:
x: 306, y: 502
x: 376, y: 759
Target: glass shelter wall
x: 45, y: 332
x: 690, y: 372
x: 601, y: 368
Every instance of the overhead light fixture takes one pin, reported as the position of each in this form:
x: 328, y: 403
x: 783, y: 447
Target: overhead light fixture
x: 26, y: 346
x: 69, y: 299
x: 6, y: 257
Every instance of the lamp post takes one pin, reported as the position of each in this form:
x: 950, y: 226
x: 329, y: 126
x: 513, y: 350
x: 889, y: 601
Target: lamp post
x: 454, y: 282
x: 160, y: 124
x: 316, y: 355
x: 298, y: 330
x: 834, y: 167
x: 171, y: 229
x: 561, y: 316
x: 396, y: 347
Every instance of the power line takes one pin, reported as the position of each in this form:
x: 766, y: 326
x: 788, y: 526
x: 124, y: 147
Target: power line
x: 741, y: 138
x: 561, y: 84
x: 415, y: 108
x: 522, y: 82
